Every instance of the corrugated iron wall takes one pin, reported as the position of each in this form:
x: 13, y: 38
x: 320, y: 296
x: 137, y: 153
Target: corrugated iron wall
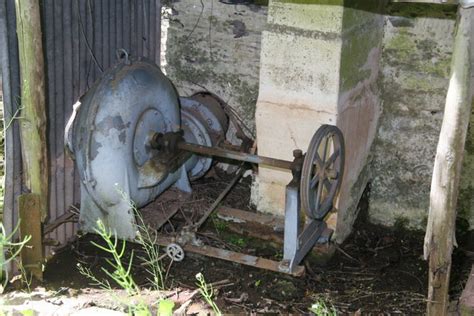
x: 80, y: 39
x: 11, y: 92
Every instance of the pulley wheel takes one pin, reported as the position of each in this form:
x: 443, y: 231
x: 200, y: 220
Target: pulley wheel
x: 175, y: 252
x: 322, y: 171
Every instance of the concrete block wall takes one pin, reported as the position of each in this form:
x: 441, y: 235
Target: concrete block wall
x: 319, y: 65
x: 322, y: 62
x: 298, y: 88
x: 466, y: 193
x: 359, y: 102
x: 416, y: 58
x: 211, y: 45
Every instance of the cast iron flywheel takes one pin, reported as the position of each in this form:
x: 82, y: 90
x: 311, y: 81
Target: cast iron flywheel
x: 322, y: 172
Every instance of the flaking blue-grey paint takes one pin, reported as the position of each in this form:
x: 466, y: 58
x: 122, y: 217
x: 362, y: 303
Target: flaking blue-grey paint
x: 80, y: 39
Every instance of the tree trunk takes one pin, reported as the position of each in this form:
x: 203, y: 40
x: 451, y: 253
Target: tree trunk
x: 440, y: 238
x: 33, y: 104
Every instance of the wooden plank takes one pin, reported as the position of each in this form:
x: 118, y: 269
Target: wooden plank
x: 66, y: 217
x: 32, y: 254
x: 236, y: 215
x: 158, y: 212
x: 232, y: 256
x: 270, y: 228
x: 466, y: 302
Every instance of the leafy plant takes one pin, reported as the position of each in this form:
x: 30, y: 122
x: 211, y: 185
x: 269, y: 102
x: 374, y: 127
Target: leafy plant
x: 238, y: 241
x: 26, y: 278
x: 148, y: 243
x: 27, y: 312
x: 152, y: 260
x: 12, y: 248
x: 104, y: 284
x: 165, y: 307
x: 121, y: 273
x: 207, y: 293
x: 219, y: 224
x: 321, y: 308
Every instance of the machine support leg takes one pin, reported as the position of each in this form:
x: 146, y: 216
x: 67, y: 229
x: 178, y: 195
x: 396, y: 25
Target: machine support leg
x: 292, y: 225
x: 297, y: 242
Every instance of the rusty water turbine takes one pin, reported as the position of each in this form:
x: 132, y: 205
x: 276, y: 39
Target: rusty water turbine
x: 132, y: 138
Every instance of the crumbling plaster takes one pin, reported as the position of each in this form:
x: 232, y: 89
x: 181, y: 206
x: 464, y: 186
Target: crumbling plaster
x: 319, y: 65
x: 215, y: 46
x: 416, y: 57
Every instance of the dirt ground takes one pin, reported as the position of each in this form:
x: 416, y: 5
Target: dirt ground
x: 376, y: 271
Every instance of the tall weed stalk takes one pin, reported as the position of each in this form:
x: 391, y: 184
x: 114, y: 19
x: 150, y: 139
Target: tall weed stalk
x: 9, y: 250
x: 148, y: 243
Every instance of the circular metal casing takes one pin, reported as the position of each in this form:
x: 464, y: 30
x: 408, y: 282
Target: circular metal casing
x: 204, y: 124
x: 109, y: 138
x: 109, y: 135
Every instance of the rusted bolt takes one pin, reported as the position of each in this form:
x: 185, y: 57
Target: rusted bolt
x: 297, y: 153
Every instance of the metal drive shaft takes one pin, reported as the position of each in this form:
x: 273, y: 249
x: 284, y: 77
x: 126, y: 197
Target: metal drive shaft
x: 225, y: 153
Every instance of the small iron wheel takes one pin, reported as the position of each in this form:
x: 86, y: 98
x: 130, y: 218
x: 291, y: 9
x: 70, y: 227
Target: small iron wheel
x: 323, y: 168
x: 175, y: 252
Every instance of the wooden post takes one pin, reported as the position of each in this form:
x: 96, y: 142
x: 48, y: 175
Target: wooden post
x: 30, y: 224
x: 33, y: 104
x: 440, y: 238
x: 33, y: 207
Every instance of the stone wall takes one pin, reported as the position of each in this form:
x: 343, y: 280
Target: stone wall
x: 322, y: 64
x: 215, y: 46
x: 466, y: 192
x: 416, y: 57
x: 319, y: 65
x: 359, y: 102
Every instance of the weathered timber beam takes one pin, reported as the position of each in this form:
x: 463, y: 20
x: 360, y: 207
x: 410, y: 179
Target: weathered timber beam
x: 34, y: 206
x: 32, y: 255
x: 33, y: 103
x: 440, y: 232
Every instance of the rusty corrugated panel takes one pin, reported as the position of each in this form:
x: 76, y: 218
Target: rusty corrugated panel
x: 11, y: 93
x: 80, y: 41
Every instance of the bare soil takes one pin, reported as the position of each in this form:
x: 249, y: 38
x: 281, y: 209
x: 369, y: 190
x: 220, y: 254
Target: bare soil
x: 376, y: 271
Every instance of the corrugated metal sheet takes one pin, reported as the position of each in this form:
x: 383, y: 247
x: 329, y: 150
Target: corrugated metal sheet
x: 11, y: 92
x: 81, y: 38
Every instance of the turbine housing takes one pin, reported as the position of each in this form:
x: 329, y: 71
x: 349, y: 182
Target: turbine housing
x: 109, y: 135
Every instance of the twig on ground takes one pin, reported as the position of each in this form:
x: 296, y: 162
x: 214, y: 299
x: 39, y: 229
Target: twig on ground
x: 346, y: 254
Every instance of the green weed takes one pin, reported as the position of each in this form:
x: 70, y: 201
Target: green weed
x: 219, y: 224
x: 26, y: 278
x: 238, y: 241
x: 207, y: 293
x: 321, y: 308
x: 13, y: 249
x: 121, y: 273
x: 148, y: 243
